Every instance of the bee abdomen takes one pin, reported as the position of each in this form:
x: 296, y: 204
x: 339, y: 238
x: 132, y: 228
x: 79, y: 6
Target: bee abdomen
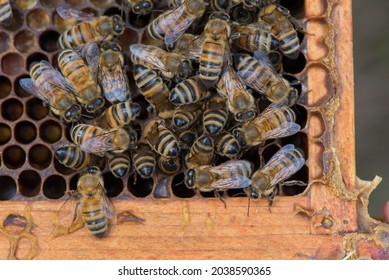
x: 150, y: 84
x: 94, y: 219
x: 5, y: 13
x: 228, y: 145
x: 211, y: 62
x: 169, y: 166
x: 120, y: 165
x: 186, y: 92
x: 72, y: 156
x: 214, y: 121
x: 144, y: 163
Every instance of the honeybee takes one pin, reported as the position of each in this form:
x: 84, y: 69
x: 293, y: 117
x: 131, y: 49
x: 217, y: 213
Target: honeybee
x: 119, y: 115
x: 73, y: 67
x: 251, y: 37
x: 90, y: 28
x: 275, y: 122
x: 119, y: 164
x: 161, y: 139
x: 187, y: 92
x: 169, y: 166
x: 258, y: 73
x: 90, y: 203
x: 141, y: 7
x: 279, y: 21
x: 5, y: 12
x: 111, y: 75
x: 227, y: 145
x: 275, y: 58
x: 253, y: 4
x: 50, y: 86
x: 182, y: 44
x: 216, y: 116
x: 170, y: 25
x: 201, y: 153
x: 233, y: 174
x: 185, y: 116
x: 170, y: 65
x: 98, y: 141
x: 286, y: 162
x: 239, y: 101
x: 144, y: 161
x: 72, y: 156
x: 155, y: 91
x: 215, y: 49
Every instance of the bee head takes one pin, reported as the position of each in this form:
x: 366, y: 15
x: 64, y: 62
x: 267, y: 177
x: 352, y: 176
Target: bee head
x: 118, y: 25
x: 173, y: 63
x: 95, y: 105
x: 245, y: 116
x: 250, y: 193
x: 143, y: 8
x: 196, y: 6
x: 73, y: 114
x: 189, y: 178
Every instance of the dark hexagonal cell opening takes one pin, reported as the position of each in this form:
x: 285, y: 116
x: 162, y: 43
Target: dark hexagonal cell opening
x: 25, y: 132
x: 54, y: 187
x: 29, y: 183
x: 50, y: 131
x: 294, y: 66
x: 36, y: 110
x: 11, y: 63
x: 113, y: 185
x: 18, y: 89
x: 38, y: 19
x: 140, y: 187
x: 7, y: 188
x: 14, y: 157
x: 40, y: 156
x: 5, y: 133
x: 4, y: 42
x: 48, y: 40
x: 180, y: 189
x: 24, y: 41
x: 35, y: 57
x: 11, y: 109
x: 5, y: 87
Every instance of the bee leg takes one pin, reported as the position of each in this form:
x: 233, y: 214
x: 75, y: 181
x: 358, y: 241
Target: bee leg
x: 217, y: 195
x: 294, y: 183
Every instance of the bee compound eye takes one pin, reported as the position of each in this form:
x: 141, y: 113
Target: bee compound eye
x: 136, y: 8
x: 146, y: 5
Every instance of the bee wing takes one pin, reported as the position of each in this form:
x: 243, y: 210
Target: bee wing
x: 195, y: 47
x: 231, y: 82
x: 68, y: 13
x: 265, y: 61
x: 55, y: 78
x: 150, y: 54
x: 98, y: 144
x: 108, y: 207
x: 231, y: 166
x: 28, y: 85
x: 179, y: 27
x: 70, y: 210
x: 284, y: 130
x: 92, y: 56
x: 115, y: 81
x: 238, y: 182
x: 287, y: 171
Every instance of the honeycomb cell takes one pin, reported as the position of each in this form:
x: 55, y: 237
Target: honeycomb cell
x: 162, y: 188
x: 4, y: 42
x: 38, y: 19
x: 269, y: 151
x: 14, y: 157
x: 18, y: 89
x: 50, y: 131
x: 5, y: 87
x: 25, y: 41
x: 63, y: 24
x: 316, y: 124
x: 100, y: 3
x: 319, y: 84
x: 26, y: 4
x: 113, y: 185
x: 294, y: 66
x: 301, y: 115
x: 25, y: 132
x: 316, y: 8
x: 301, y: 175
x: 12, y: 63
x: 29, y: 183
x: 5, y: 133
x: 316, y: 150
x: 180, y: 189
x: 73, y: 182
x: 300, y: 140
x: 144, y: 113
x: 40, y: 156
x: 140, y: 187
x: 319, y: 27
x: 54, y: 187
x: 114, y: 11
x: 35, y: 57
x: 75, y: 3
x: 295, y: 7
x: 11, y: 109
x: 48, y: 41
x: 128, y: 38
x: 35, y: 109
x: 51, y: 3
x: 7, y: 188
x: 17, y: 20
x: 138, y: 21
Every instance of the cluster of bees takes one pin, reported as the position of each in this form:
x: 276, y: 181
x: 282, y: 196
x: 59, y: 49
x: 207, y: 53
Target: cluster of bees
x: 203, y: 74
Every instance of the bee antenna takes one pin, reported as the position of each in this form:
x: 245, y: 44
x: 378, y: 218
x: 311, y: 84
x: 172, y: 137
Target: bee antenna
x: 122, y: 12
x: 248, y: 208
x: 87, y: 116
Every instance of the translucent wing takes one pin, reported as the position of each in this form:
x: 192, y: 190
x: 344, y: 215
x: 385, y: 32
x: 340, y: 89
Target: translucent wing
x: 247, y: 77
x: 179, y: 27
x: 55, y: 78
x: 67, y: 13
x: 232, y: 166
x: 195, y: 47
x: 265, y: 61
x: 108, y: 207
x: 237, y: 183
x: 284, y: 130
x: 92, y: 56
x: 28, y: 85
x: 232, y: 82
x: 152, y: 55
x: 70, y: 210
x: 293, y: 164
x: 115, y: 82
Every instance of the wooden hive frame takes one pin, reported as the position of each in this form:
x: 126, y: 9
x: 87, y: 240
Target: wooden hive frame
x: 328, y: 221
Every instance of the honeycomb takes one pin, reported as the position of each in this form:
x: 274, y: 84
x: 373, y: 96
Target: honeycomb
x: 29, y: 132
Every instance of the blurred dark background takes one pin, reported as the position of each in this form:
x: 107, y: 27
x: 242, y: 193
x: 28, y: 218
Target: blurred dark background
x: 371, y: 64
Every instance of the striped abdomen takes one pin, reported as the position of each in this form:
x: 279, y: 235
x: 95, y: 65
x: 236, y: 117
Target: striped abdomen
x: 72, y: 156
x: 5, y: 12
x: 185, y: 117
x: 144, y: 161
x: 78, y: 35
x: 255, y: 39
x: 120, y: 114
x: 81, y: 134
x: 214, y: 121
x: 211, y: 62
x: 290, y: 46
x: 277, y: 117
x: 94, y: 216
x: 167, y: 144
x: 201, y: 152
x: 227, y: 145
x: 187, y: 92
x: 169, y: 166
x: 119, y: 165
